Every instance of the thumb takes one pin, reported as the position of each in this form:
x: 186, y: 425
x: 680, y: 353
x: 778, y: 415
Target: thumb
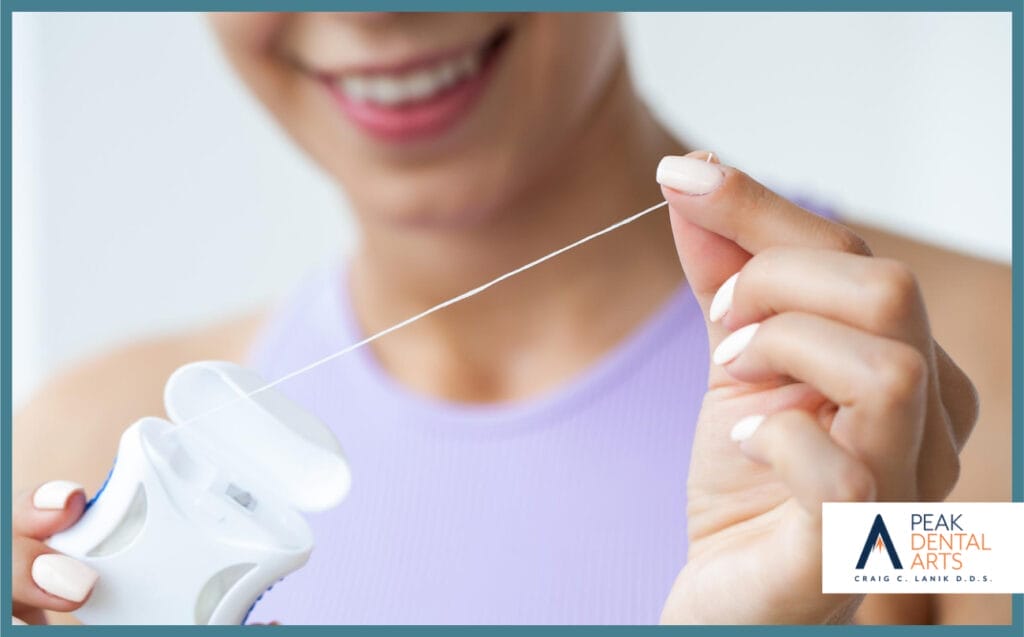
x: 50, y: 508
x: 708, y: 259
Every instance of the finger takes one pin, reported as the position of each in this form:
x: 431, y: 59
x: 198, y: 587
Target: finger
x: 731, y: 204
x: 720, y: 217
x: 51, y: 507
x: 707, y: 258
x: 850, y: 367
x: 959, y: 396
x: 879, y: 384
x: 814, y: 467
x: 43, y: 578
x: 880, y: 296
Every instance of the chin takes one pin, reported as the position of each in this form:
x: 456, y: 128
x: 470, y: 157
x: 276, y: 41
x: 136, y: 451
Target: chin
x: 441, y: 208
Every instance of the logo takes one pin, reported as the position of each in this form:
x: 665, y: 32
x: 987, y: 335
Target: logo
x: 922, y: 547
x: 878, y: 538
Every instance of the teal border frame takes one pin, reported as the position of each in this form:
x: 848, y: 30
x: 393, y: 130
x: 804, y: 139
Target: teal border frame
x: 1016, y: 9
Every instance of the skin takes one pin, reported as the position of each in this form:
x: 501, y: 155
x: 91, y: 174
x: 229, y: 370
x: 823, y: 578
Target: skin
x: 517, y: 179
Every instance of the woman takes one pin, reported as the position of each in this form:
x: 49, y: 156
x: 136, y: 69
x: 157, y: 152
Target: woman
x: 525, y: 456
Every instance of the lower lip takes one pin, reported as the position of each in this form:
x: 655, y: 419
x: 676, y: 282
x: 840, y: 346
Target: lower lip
x: 418, y: 120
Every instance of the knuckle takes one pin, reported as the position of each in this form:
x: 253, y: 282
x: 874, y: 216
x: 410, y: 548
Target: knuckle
x: 893, y: 293
x: 854, y: 483
x: 900, y: 374
x: 767, y: 258
x: 784, y: 425
x: 761, y: 267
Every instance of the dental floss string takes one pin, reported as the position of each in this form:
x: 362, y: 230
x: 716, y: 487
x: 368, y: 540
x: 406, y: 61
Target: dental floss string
x: 439, y: 306
x: 436, y: 308
x: 442, y: 305
x: 461, y: 297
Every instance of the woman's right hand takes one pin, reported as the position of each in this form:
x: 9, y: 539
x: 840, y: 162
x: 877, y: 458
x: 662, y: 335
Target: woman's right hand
x: 43, y: 579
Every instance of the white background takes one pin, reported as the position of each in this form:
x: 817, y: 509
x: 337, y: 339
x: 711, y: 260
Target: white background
x: 132, y: 140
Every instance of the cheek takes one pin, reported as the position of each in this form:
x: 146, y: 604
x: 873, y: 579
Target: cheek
x: 556, y: 78
x: 581, y: 46
x: 566, y: 62
x: 576, y: 59
x: 564, y: 70
x: 248, y: 41
x: 246, y: 32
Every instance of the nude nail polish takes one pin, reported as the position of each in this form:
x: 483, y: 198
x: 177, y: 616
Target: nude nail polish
x: 54, y: 495
x: 689, y: 175
x: 63, y: 576
x: 745, y: 427
x: 722, y: 300
x: 734, y: 344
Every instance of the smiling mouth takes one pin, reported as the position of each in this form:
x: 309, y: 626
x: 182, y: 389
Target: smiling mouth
x: 422, y: 82
x: 418, y: 98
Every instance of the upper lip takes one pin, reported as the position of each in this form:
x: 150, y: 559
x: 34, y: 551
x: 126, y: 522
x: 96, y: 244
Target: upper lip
x: 410, y: 63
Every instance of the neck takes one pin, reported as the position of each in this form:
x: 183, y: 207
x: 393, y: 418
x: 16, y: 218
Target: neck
x: 550, y: 321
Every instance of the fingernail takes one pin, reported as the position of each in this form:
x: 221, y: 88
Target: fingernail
x: 55, y: 494
x: 746, y: 427
x: 63, y: 576
x: 734, y: 344
x: 17, y: 622
x: 689, y: 175
x: 723, y: 299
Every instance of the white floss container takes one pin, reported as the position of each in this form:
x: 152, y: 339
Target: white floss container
x: 198, y: 518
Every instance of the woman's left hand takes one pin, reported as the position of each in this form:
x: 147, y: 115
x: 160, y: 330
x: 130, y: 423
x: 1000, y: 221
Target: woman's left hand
x: 825, y: 386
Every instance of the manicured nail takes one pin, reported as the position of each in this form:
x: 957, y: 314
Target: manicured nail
x: 723, y: 299
x: 17, y: 622
x: 746, y: 427
x: 689, y: 175
x: 63, y: 577
x: 734, y: 344
x: 54, y: 495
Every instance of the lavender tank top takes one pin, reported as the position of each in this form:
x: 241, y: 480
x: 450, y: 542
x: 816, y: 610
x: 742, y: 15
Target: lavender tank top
x: 569, y: 508
x: 565, y: 508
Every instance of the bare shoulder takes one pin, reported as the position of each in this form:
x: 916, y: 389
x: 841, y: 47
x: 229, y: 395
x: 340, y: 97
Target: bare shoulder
x: 71, y: 427
x: 970, y: 310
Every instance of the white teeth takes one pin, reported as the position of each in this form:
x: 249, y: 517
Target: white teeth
x: 392, y: 89
x: 355, y: 87
x: 447, y: 73
x: 385, y: 90
x: 421, y: 84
